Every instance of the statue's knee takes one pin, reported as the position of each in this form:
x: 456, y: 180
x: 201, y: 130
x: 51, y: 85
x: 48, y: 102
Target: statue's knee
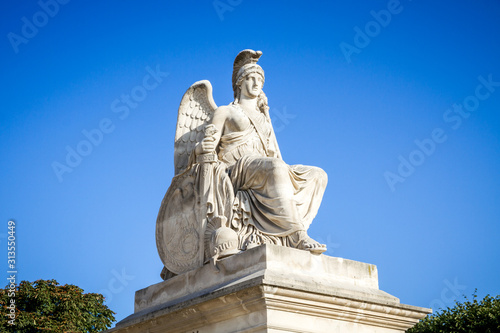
x: 321, y: 175
x: 276, y: 165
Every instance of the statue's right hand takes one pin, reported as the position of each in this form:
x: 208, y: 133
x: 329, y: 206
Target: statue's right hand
x: 207, y: 145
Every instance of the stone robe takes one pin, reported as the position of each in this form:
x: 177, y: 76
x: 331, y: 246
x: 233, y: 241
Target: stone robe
x: 273, y: 200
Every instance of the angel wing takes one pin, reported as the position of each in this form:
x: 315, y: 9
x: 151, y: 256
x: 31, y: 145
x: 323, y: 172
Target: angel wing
x: 195, y: 112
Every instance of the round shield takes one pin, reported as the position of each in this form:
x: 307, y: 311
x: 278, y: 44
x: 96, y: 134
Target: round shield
x: 178, y: 232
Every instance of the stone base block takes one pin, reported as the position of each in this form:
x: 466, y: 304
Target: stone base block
x: 271, y: 289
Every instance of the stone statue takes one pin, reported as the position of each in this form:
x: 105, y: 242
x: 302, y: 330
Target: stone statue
x: 232, y: 190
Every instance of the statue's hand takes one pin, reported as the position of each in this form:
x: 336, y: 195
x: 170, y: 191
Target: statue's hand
x: 207, y: 145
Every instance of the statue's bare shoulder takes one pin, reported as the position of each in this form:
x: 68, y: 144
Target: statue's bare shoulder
x: 224, y: 111
x: 229, y: 118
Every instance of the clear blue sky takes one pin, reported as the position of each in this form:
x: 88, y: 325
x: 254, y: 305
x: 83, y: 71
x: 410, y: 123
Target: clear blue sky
x: 414, y: 181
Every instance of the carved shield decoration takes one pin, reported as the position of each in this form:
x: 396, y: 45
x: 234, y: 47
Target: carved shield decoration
x: 178, y: 226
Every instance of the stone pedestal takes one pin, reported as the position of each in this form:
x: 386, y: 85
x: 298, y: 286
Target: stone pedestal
x: 271, y: 289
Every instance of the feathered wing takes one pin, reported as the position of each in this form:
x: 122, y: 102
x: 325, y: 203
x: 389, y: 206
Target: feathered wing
x: 179, y: 229
x: 195, y: 112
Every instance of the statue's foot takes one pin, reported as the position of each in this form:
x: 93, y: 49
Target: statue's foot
x: 309, y: 244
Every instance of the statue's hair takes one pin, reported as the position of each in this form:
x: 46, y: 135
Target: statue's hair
x: 262, y: 103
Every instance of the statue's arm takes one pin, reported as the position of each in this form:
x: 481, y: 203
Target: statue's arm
x: 210, y: 142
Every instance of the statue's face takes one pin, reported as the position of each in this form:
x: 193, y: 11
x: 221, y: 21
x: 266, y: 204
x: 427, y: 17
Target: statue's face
x: 252, y: 85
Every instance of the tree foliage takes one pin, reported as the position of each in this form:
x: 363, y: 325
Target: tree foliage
x: 469, y: 316
x: 46, y: 306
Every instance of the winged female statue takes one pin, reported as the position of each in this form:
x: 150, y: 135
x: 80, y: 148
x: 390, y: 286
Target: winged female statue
x: 232, y: 190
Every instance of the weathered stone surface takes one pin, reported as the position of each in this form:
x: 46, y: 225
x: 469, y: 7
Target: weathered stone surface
x: 272, y: 289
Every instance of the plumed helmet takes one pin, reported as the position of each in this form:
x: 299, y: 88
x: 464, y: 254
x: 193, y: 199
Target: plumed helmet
x: 224, y: 242
x: 246, y: 63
